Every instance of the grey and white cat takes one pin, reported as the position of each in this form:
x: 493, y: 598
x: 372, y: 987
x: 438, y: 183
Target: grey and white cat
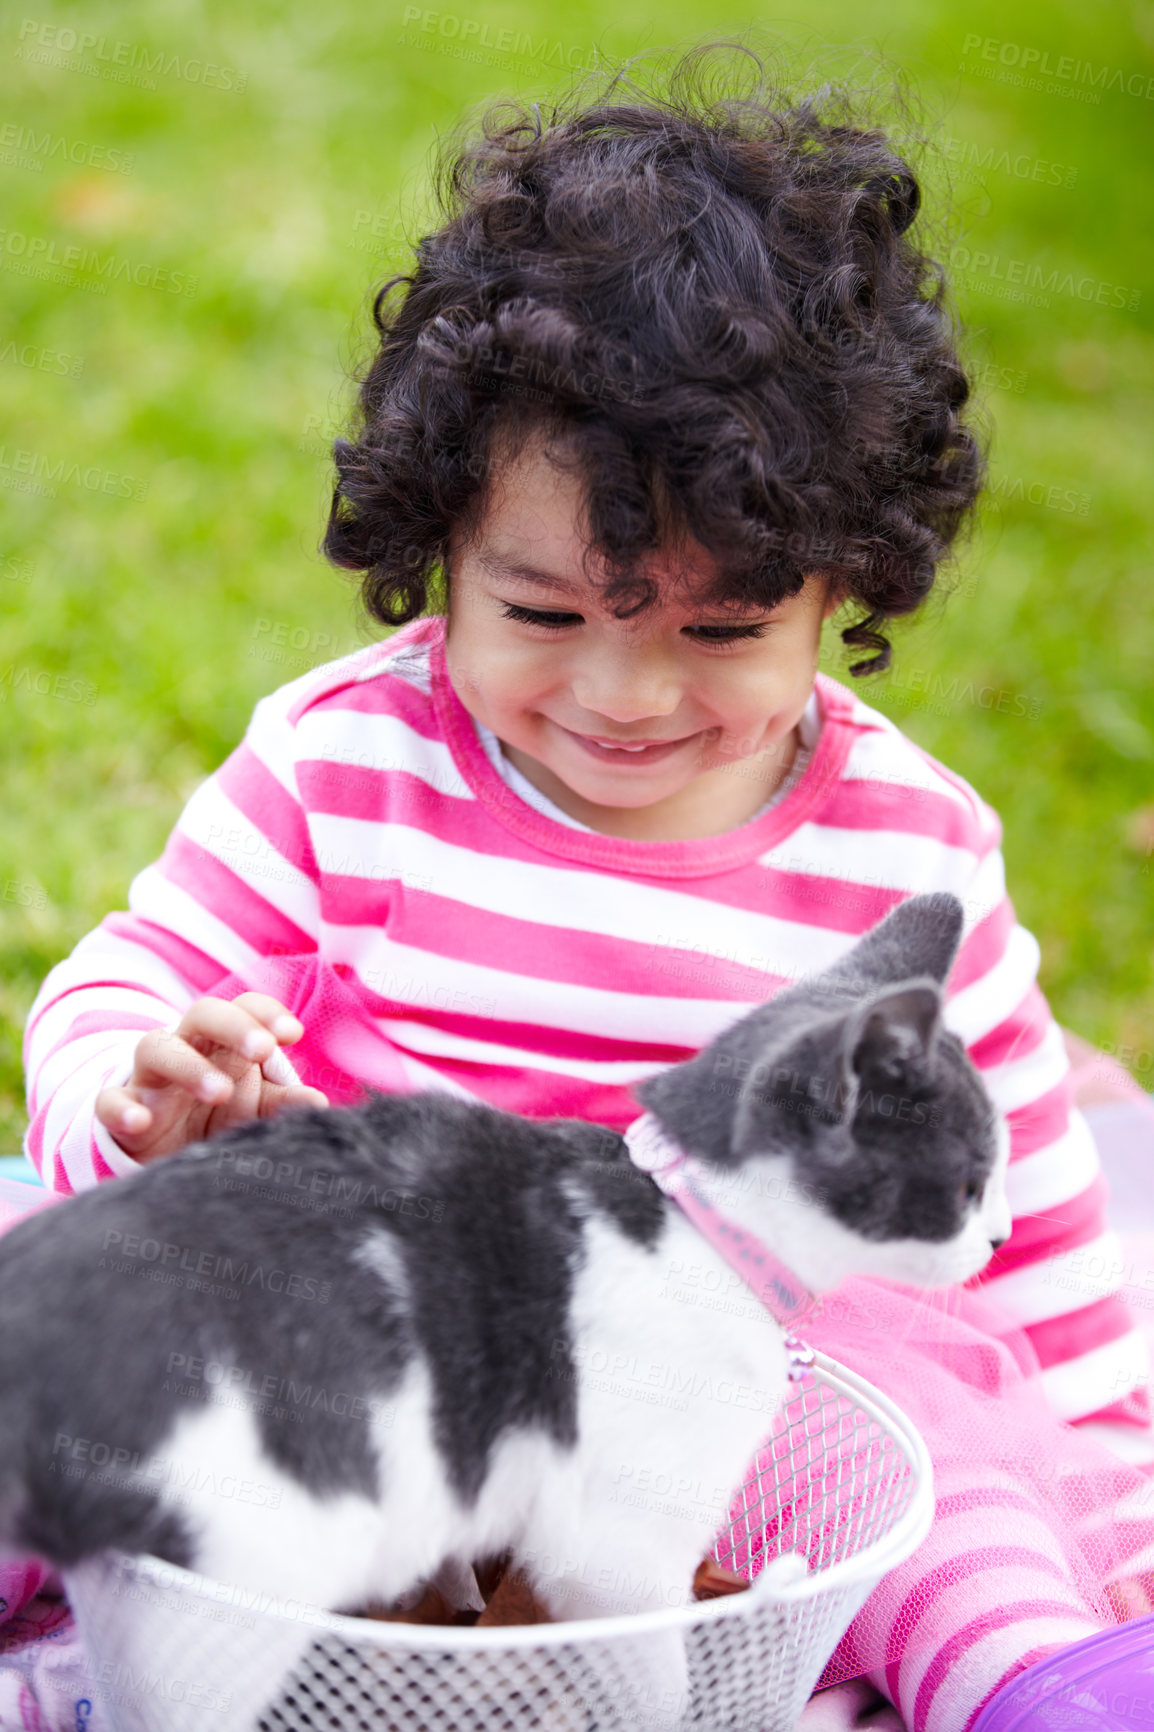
x: 328, y: 1354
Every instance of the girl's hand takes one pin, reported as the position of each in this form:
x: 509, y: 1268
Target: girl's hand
x: 179, y: 1094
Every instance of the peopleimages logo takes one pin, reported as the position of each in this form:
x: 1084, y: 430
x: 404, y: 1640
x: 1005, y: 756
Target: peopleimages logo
x: 46, y: 473
x: 1035, y: 64
x: 1023, y: 279
x: 40, y: 255
x: 474, y: 33
x: 137, y: 63
x: 24, y: 147
x: 1020, y: 164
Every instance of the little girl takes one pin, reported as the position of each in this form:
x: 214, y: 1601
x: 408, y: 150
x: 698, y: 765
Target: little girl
x: 670, y: 385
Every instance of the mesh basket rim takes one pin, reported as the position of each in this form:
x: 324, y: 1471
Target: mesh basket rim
x: 871, y: 1563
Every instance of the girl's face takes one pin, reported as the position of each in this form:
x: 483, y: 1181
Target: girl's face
x: 711, y: 697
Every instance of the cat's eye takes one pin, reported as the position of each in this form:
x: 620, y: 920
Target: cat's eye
x: 969, y: 1193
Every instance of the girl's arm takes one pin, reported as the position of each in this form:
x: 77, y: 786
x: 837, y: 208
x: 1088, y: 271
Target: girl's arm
x: 237, y: 881
x: 1059, y: 1276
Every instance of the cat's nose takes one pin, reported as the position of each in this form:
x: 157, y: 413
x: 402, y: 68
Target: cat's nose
x: 996, y: 1244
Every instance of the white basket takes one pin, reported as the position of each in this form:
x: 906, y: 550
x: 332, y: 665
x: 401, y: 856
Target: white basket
x: 844, y: 1480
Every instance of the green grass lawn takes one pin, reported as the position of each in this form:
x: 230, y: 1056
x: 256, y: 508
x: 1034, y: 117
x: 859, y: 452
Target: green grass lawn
x: 164, y: 473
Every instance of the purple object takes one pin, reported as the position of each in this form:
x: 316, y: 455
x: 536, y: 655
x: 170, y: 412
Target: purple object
x: 1104, y: 1684
x: 1124, y: 1133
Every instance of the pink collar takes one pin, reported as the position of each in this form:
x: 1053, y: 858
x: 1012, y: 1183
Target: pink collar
x: 668, y: 1165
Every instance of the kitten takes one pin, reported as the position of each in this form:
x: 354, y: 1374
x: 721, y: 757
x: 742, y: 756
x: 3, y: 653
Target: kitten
x: 325, y: 1354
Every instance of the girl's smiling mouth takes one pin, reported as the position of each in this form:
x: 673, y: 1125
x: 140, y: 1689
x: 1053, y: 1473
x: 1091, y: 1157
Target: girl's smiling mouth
x: 625, y: 751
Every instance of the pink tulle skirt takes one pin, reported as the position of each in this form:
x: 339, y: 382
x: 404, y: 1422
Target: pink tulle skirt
x: 1021, y: 1489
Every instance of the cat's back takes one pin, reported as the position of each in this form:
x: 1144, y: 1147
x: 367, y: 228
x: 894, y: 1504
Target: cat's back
x: 303, y: 1267
x: 229, y: 1275
x: 283, y: 1209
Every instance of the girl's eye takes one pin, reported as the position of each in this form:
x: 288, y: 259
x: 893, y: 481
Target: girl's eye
x: 722, y: 636
x: 719, y: 636
x: 532, y: 616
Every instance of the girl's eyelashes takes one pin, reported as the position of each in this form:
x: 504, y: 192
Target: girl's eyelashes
x: 730, y: 634
x: 534, y: 616
x: 718, y: 636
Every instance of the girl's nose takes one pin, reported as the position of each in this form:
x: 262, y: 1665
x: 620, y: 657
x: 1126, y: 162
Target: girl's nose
x: 628, y: 688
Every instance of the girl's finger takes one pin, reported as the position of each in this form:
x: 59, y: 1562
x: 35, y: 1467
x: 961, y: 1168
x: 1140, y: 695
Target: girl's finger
x: 277, y: 1069
x: 280, y: 1022
x: 164, y: 1059
x: 242, y: 1104
x: 275, y: 1100
x: 213, y: 1022
x: 121, y: 1113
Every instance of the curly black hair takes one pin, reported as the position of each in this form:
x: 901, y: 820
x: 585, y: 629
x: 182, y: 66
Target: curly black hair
x: 714, y: 300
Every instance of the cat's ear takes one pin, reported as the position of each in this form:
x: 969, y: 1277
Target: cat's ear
x: 929, y: 929
x: 919, y: 937
x: 891, y: 1036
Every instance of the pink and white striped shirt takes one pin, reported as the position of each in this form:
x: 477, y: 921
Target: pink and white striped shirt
x: 499, y: 949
